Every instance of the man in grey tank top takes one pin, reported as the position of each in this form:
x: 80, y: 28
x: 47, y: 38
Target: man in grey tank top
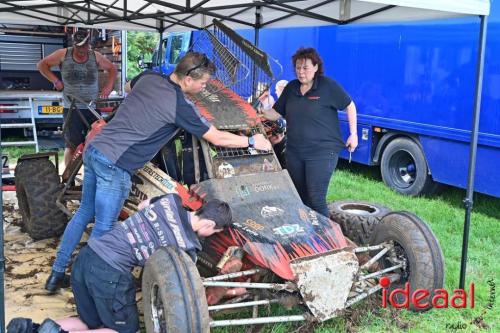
x: 79, y: 70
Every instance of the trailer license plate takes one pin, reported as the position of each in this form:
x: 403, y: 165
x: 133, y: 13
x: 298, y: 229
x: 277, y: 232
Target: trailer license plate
x: 50, y: 109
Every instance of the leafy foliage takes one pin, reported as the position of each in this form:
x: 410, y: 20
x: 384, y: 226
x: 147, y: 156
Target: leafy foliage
x: 139, y: 43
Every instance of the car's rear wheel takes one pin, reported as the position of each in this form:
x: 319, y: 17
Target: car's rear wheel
x: 357, y: 218
x: 173, y: 294
x: 417, y: 248
x: 37, y: 187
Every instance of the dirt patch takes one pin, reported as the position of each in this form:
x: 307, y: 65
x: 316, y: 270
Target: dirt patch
x: 354, y: 317
x: 28, y: 265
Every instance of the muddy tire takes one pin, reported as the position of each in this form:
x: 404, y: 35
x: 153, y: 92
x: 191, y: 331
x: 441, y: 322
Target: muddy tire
x: 37, y: 187
x: 173, y: 294
x: 357, y: 218
x: 415, y: 242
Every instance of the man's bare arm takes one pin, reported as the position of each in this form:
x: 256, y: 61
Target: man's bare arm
x: 230, y: 140
x: 53, y: 59
x: 271, y: 114
x: 108, y: 66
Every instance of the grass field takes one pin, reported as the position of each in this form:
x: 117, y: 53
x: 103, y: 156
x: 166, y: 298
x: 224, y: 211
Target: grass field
x: 445, y: 215
x: 15, y: 152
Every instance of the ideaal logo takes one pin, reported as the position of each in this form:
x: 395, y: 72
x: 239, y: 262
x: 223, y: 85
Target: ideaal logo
x: 440, y: 299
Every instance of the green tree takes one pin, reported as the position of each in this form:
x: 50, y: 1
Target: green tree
x: 139, y: 43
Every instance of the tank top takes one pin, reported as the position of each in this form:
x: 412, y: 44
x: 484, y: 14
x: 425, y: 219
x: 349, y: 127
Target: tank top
x: 80, y: 79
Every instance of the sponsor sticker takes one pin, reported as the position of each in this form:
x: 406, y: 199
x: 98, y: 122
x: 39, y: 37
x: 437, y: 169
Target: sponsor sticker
x: 267, y: 165
x: 245, y: 228
x: 226, y: 170
x: 288, y: 230
x: 313, y: 217
x: 243, y: 191
x: 264, y: 187
x: 268, y: 211
x: 303, y: 214
x: 254, y: 225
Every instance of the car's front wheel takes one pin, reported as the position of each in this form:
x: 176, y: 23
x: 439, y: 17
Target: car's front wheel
x: 173, y: 294
x: 417, y: 249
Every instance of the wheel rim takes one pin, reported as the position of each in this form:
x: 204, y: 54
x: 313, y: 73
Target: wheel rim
x: 399, y: 255
x: 403, y: 169
x: 157, y: 310
x: 359, y: 209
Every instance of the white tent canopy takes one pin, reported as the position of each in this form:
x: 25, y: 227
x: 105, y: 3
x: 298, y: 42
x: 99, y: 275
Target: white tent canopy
x: 179, y: 15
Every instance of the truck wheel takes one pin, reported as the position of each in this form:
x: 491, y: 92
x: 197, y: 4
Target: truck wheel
x: 416, y: 245
x: 37, y: 187
x: 404, y: 168
x: 357, y: 218
x: 173, y: 294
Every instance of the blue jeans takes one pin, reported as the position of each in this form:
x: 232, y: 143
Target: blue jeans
x: 105, y: 188
x: 311, y: 178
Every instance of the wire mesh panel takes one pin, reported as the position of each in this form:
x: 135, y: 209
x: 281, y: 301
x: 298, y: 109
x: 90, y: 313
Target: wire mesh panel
x: 230, y: 70
x: 240, y: 65
x: 227, y: 162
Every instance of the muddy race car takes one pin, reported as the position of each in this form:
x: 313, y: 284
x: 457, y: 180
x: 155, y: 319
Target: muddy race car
x: 278, y: 250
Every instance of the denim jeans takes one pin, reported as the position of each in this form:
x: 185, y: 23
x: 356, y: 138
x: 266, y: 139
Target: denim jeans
x: 105, y: 188
x: 311, y: 178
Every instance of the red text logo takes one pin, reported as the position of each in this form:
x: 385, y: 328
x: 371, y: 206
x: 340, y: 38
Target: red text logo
x: 402, y: 298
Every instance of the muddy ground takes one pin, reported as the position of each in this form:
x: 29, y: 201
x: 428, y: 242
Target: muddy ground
x: 27, y: 266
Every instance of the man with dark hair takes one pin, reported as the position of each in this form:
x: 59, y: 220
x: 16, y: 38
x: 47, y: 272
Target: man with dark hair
x: 145, y: 121
x: 79, y: 77
x: 102, y: 282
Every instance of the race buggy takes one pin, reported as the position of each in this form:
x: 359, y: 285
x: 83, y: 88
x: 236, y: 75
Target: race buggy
x: 278, y: 250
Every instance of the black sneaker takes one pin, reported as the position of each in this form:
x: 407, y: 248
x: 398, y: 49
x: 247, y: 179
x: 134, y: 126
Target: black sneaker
x: 49, y: 326
x: 20, y: 325
x: 57, y: 280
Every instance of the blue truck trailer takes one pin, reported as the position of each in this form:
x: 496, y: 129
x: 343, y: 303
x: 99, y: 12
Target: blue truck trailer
x: 413, y: 84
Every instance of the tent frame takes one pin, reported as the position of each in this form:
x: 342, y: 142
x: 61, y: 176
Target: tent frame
x: 169, y: 20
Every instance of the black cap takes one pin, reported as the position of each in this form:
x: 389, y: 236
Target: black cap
x: 80, y: 38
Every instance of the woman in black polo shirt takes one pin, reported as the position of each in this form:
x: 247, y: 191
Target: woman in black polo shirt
x: 309, y: 105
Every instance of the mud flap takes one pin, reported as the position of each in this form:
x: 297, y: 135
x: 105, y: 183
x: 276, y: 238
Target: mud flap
x: 324, y: 281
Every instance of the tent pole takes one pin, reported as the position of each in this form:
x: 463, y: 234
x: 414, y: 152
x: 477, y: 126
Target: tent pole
x: 468, y: 201
x: 258, y: 24
x: 2, y: 259
x: 161, y: 57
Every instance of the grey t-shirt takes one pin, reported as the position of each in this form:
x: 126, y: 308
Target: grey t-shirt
x: 134, y: 240
x: 146, y: 120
